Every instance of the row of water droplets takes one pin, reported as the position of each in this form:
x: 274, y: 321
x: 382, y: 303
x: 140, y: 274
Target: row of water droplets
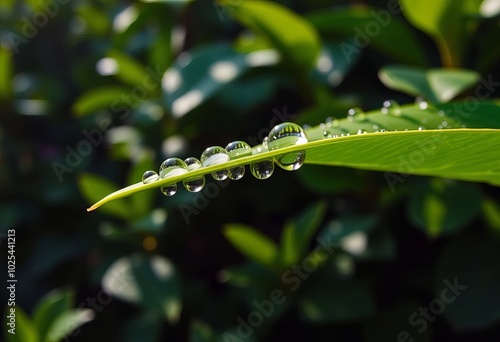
x: 283, y: 135
x: 389, y: 107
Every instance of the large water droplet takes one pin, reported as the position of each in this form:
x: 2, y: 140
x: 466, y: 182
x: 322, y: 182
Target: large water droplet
x: 149, y: 177
x: 235, y: 150
x: 213, y: 156
x: 391, y: 107
x: 356, y: 114
x: 263, y: 169
x: 169, y: 168
x: 194, y: 184
x: 284, y: 135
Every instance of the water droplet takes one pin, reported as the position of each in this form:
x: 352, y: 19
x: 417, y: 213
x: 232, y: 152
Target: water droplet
x: 284, y: 135
x: 235, y: 150
x: 169, y: 168
x: 335, y: 136
x: 463, y: 126
x: 356, y: 114
x: 263, y: 169
x: 322, y: 125
x: 361, y: 131
x: 332, y: 122
x: 149, y: 177
x: 441, y: 113
x: 421, y: 128
x: 265, y: 142
x: 424, y: 120
x: 172, y: 167
x: 382, y: 130
x: 391, y: 107
x: 213, y: 156
x: 421, y: 103
x: 327, y: 135
x: 375, y: 127
x: 444, y: 123
x: 194, y: 184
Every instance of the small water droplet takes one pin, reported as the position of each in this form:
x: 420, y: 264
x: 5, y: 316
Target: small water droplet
x: 169, y: 168
x: 424, y: 120
x: 213, y: 156
x: 335, y: 135
x: 382, y: 130
x: 421, y: 103
x: 265, y: 143
x: 463, y: 126
x: 356, y: 114
x: 444, y: 123
x: 322, y: 125
x: 332, y: 122
x: 391, y: 107
x: 197, y: 183
x: 441, y: 113
x: 306, y: 127
x: 327, y: 135
x: 284, y: 135
x: 440, y: 127
x: 263, y: 169
x: 235, y: 150
x: 375, y: 127
x: 149, y: 177
x: 361, y: 131
x: 421, y: 128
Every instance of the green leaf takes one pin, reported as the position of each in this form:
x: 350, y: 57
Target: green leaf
x: 458, y: 153
x: 297, y: 234
x: 148, y: 281
x: 470, y: 264
x: 142, y: 204
x: 205, y: 72
x: 49, y: 308
x: 369, y: 27
x: 491, y: 210
x: 334, y: 300
x: 6, y: 67
x: 145, y: 328
x: 128, y: 70
x: 67, y: 322
x: 94, y: 187
x: 22, y: 328
x: 102, y: 98
x: 293, y: 36
x: 443, y: 21
x: 437, y: 85
x: 441, y: 207
x: 201, y: 332
x: 251, y: 243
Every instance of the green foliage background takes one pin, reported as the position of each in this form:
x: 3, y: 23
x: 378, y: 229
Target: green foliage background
x: 90, y: 100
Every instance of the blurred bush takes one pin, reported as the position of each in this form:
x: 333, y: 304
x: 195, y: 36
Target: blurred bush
x: 94, y: 93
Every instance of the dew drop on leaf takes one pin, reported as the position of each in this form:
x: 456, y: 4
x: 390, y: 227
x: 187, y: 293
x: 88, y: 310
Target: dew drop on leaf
x: 213, y: 156
x: 284, y: 135
x: 263, y: 169
x: 391, y: 107
x: 149, y: 177
x: 194, y: 184
x: 421, y: 103
x: 356, y: 114
x: 327, y: 135
x: 235, y: 150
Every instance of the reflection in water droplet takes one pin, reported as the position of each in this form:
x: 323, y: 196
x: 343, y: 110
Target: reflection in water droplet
x: 327, y: 134
x: 194, y: 184
x: 149, y: 177
x: 356, y: 114
x: 235, y: 150
x: 391, y: 107
x: 284, y: 135
x: 213, y: 156
x: 263, y: 169
x: 421, y: 103
x: 169, y: 168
